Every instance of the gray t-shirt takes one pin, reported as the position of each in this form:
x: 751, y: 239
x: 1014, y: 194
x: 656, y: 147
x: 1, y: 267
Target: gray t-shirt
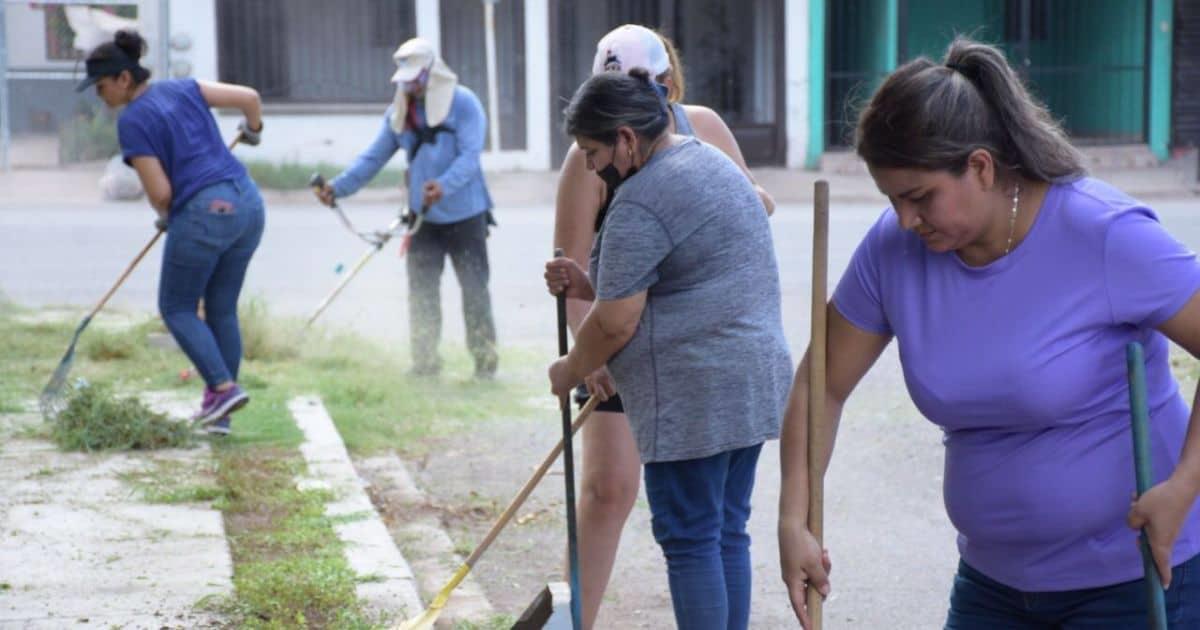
x: 708, y: 369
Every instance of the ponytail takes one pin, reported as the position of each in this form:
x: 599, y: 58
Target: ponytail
x: 933, y: 116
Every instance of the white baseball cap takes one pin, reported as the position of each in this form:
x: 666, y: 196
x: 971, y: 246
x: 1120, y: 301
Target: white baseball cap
x: 631, y: 46
x: 411, y: 58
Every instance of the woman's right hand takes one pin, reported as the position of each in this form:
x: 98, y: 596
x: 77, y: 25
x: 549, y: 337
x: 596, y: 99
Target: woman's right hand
x: 600, y: 384
x: 324, y: 194
x: 565, y: 276
x: 804, y: 564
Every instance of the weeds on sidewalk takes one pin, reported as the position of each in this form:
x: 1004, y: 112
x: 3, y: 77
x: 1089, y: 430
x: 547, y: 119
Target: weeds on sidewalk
x: 96, y: 419
x: 289, y: 569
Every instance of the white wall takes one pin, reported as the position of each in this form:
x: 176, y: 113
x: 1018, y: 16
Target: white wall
x: 537, y: 84
x: 339, y: 138
x: 308, y: 138
x: 198, y: 22
x: 797, y: 79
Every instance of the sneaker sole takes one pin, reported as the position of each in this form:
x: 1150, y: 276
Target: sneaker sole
x: 218, y: 431
x: 230, y: 406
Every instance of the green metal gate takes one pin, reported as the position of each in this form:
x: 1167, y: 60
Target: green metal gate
x: 1086, y: 59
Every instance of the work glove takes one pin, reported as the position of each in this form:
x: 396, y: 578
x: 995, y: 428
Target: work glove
x: 249, y: 136
x: 160, y: 223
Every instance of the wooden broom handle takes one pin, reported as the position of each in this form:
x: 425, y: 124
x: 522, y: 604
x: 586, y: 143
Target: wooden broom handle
x: 816, y: 383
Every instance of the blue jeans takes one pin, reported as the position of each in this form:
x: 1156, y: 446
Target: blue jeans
x: 978, y: 602
x: 210, y: 240
x: 699, y: 509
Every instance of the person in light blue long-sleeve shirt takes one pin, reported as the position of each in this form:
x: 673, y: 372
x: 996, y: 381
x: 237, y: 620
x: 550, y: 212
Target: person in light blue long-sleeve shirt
x: 441, y: 126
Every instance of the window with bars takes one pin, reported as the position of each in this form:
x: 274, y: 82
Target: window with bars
x: 313, y: 51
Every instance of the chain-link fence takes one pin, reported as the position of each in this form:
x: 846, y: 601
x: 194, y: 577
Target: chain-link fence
x: 44, y: 122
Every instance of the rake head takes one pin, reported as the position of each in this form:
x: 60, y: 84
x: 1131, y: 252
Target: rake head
x: 51, y: 402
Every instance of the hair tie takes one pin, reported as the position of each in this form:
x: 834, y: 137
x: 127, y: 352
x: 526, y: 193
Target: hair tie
x: 961, y: 69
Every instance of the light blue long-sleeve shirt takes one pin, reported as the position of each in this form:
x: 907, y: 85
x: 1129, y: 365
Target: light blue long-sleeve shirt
x: 452, y: 158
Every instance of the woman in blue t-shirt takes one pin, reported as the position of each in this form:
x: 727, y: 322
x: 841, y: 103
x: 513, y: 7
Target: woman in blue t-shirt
x: 202, y: 193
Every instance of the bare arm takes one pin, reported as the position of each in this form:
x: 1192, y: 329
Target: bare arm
x: 850, y: 354
x: 711, y: 129
x: 154, y: 181
x: 1163, y: 509
x: 580, y: 195
x: 231, y: 96
x: 606, y: 329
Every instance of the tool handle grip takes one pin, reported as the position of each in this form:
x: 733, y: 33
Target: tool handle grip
x: 561, y: 307
x: 1139, y: 413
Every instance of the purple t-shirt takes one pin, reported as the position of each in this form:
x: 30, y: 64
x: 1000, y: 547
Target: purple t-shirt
x: 1022, y: 364
x: 171, y: 121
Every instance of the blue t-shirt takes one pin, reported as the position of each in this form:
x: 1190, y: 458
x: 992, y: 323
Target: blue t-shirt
x: 452, y: 159
x: 171, y: 121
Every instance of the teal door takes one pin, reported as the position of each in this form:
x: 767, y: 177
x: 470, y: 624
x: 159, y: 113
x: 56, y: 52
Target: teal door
x: 1086, y: 59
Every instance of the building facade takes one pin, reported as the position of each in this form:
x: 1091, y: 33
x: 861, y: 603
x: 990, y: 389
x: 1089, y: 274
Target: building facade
x: 787, y: 75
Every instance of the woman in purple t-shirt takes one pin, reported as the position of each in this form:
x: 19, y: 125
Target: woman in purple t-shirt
x: 1012, y: 285
x: 203, y: 194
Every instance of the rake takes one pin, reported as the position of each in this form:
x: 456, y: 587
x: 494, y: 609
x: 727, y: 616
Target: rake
x: 51, y: 401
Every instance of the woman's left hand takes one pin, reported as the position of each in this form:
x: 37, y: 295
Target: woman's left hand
x: 1161, y: 511
x: 561, y: 380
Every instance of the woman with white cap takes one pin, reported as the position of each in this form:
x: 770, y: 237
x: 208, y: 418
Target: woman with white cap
x: 441, y: 126
x: 611, y: 467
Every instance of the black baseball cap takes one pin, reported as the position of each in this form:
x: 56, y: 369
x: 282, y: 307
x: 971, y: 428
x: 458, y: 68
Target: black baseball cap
x: 98, y: 68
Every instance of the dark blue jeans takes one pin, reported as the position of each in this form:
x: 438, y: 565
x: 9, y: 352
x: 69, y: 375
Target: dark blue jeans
x: 210, y: 240
x: 699, y: 509
x: 978, y: 602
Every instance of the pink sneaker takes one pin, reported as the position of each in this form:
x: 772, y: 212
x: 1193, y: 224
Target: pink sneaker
x: 205, y: 402
x: 222, y: 404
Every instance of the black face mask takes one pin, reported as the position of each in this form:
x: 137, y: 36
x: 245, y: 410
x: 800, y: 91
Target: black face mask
x: 612, y: 177
x: 612, y: 180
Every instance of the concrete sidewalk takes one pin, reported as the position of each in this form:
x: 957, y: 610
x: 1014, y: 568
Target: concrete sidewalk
x: 78, y: 545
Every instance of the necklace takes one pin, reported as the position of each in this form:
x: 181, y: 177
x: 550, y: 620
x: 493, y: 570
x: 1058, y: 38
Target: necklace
x: 1012, y: 220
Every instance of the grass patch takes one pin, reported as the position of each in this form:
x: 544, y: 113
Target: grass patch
x: 495, y: 622
x: 96, y: 419
x: 166, y: 481
x: 265, y: 339
x: 101, y: 345
x: 295, y: 175
x: 289, y: 570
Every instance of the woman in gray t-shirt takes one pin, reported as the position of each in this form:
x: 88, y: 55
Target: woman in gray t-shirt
x: 687, y: 318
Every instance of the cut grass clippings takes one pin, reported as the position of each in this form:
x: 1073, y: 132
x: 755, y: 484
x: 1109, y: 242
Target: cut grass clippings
x: 96, y: 419
x: 289, y: 569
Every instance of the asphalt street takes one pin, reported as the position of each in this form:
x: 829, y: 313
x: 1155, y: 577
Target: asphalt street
x: 891, y: 543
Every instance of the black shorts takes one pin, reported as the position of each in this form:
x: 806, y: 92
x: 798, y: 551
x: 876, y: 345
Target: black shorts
x: 613, y: 403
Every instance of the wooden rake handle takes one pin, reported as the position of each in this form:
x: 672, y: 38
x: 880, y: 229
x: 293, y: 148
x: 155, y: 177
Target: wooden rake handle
x: 816, y: 383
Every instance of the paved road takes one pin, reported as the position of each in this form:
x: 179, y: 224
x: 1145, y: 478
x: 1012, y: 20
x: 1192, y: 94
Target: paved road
x: 892, y: 545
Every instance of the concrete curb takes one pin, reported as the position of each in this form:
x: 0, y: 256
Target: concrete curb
x: 431, y: 550
x: 370, y: 550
